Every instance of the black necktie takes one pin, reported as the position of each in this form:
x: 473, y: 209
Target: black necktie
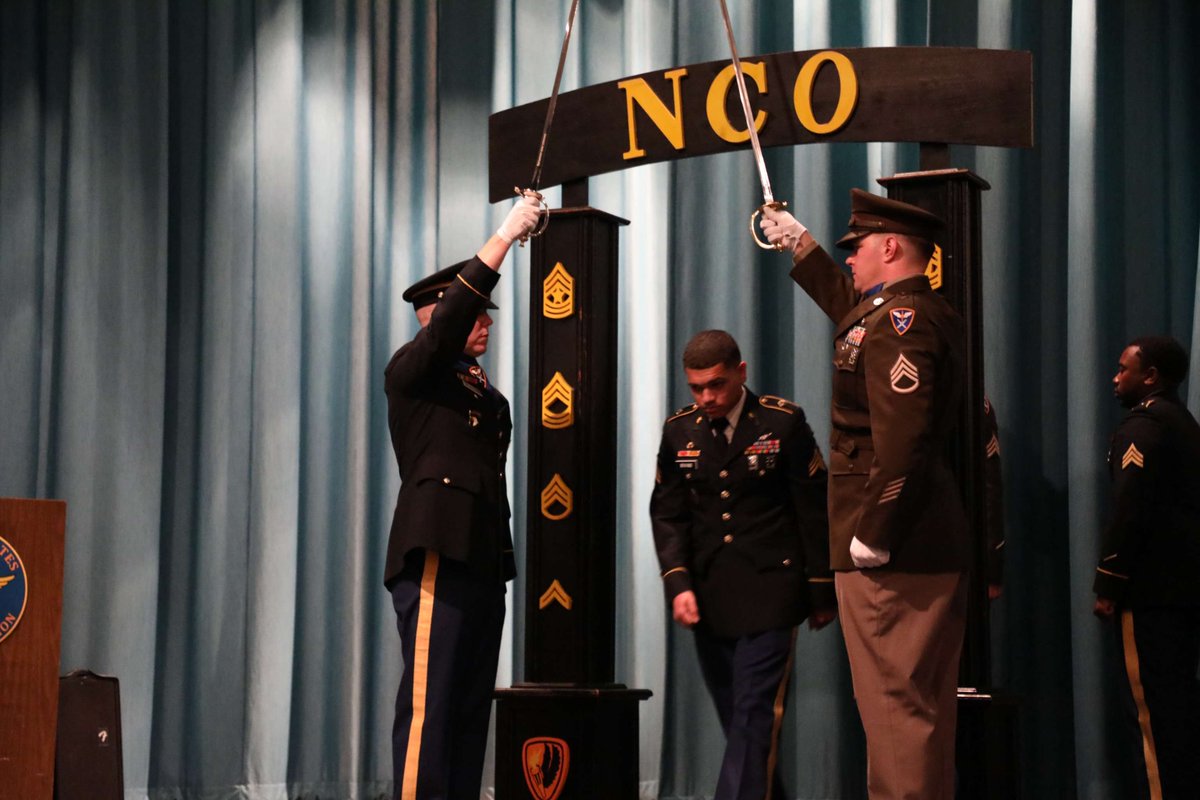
x: 720, y: 443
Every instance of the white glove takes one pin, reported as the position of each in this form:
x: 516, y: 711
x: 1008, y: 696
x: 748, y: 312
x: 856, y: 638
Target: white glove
x: 521, y: 219
x: 864, y: 556
x: 780, y: 227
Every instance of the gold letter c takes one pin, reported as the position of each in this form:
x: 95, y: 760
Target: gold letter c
x: 718, y: 120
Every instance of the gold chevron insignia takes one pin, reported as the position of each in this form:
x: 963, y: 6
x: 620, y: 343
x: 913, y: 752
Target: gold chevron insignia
x: 1132, y: 456
x: 558, y: 404
x: 555, y: 594
x: 558, y: 293
x: 993, y: 446
x: 557, y: 492
x: 933, y: 270
x: 816, y: 463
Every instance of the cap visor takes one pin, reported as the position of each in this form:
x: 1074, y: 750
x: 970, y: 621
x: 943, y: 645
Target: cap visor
x: 847, y: 241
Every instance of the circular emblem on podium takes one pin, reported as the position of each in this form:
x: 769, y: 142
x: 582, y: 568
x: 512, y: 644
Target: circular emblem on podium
x: 14, y: 589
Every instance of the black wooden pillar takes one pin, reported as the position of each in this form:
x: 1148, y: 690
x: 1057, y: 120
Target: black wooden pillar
x: 568, y: 731
x: 987, y: 752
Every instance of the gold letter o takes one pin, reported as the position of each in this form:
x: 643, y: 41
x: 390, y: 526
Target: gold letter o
x: 847, y: 92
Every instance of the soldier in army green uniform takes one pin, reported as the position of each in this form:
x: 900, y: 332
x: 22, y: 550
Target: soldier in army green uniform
x: 738, y: 512
x: 1150, y: 559
x: 899, y: 536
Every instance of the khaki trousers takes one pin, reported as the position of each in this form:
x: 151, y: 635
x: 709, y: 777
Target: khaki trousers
x: 904, y: 634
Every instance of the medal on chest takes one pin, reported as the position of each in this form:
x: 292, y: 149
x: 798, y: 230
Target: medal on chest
x: 851, y: 345
x: 762, y: 453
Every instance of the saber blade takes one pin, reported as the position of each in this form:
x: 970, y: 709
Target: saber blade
x: 768, y: 195
x: 562, y: 60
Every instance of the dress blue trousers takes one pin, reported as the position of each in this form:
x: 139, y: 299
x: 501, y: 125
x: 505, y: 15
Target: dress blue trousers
x: 450, y: 623
x: 747, y: 678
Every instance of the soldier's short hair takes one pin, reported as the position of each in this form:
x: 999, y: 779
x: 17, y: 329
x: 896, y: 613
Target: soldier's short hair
x: 710, y: 349
x: 923, y: 248
x: 1166, y: 355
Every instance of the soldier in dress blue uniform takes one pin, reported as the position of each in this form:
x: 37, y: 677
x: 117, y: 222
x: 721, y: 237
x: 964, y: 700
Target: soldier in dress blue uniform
x: 738, y: 512
x: 1150, y: 559
x: 899, y: 536
x: 450, y: 550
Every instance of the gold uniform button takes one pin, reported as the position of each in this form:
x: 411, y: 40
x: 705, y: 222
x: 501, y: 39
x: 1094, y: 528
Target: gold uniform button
x: 446, y: 481
x: 728, y: 538
x: 724, y: 494
x: 724, y: 473
x: 726, y: 516
x: 787, y: 562
x: 688, y: 475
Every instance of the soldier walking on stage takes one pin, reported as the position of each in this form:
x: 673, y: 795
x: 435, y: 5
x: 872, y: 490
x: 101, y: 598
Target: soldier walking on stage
x: 738, y: 512
x: 899, y: 538
x: 1150, y: 559
x: 450, y: 550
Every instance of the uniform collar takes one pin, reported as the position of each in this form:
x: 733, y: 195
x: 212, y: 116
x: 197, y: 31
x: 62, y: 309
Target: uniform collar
x: 735, y: 413
x: 868, y: 303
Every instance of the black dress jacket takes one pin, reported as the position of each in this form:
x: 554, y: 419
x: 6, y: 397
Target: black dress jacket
x: 746, y: 530
x: 1150, y: 552
x: 450, y: 431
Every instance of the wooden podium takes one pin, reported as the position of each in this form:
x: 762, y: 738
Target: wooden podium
x: 31, y: 579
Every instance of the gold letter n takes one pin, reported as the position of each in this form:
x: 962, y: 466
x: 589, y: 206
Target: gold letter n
x: 669, y: 124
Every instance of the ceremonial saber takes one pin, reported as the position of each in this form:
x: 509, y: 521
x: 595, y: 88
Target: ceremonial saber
x: 544, y: 221
x: 769, y: 200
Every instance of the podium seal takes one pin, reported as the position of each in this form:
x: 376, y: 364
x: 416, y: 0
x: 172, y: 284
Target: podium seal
x: 14, y: 589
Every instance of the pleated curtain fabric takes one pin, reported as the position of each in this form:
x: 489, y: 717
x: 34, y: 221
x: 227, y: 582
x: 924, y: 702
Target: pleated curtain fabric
x: 208, y: 212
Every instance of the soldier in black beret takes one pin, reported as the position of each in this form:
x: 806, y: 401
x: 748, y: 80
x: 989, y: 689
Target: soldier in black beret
x: 450, y: 550
x: 738, y: 512
x: 898, y: 530
x: 1146, y: 580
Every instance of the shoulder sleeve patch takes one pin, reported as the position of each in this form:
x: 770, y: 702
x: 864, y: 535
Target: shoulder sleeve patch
x: 1133, y: 457
x: 683, y: 412
x: 777, y: 403
x: 902, y: 319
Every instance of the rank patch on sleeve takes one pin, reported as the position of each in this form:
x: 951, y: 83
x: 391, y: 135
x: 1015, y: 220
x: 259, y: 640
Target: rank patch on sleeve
x: 993, y: 446
x: 902, y: 319
x: 905, y: 376
x: 816, y: 463
x: 1132, y: 456
x: 891, y: 491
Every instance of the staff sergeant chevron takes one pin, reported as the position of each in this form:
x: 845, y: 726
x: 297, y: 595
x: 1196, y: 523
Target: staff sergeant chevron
x: 904, y: 375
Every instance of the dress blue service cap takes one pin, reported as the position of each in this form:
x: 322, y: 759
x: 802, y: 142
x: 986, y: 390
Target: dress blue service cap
x: 429, y: 289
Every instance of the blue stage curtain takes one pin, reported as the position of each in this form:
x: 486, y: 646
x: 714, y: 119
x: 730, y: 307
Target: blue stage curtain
x: 208, y: 212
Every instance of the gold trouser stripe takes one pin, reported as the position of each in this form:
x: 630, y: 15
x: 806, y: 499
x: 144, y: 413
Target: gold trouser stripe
x: 1134, y: 672
x: 777, y: 724
x: 420, y: 670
